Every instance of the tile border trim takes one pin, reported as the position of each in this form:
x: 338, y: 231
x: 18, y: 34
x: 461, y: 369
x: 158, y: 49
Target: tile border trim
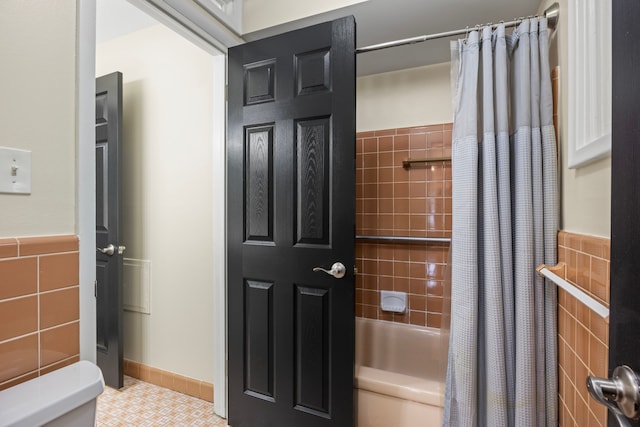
x: 189, y: 386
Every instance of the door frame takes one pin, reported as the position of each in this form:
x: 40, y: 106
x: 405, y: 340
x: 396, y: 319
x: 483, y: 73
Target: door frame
x: 85, y: 183
x: 86, y: 175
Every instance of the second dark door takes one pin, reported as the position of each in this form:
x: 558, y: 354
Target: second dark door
x: 109, y: 251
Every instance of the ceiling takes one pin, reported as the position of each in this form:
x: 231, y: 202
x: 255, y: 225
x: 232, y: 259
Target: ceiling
x: 377, y: 21
x: 380, y: 21
x: 115, y: 18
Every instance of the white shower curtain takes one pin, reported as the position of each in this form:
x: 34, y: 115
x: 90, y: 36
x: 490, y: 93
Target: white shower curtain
x: 503, y: 353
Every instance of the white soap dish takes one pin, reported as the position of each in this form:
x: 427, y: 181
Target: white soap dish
x: 393, y: 301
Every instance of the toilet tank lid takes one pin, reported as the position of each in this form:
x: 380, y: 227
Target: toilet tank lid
x: 49, y: 396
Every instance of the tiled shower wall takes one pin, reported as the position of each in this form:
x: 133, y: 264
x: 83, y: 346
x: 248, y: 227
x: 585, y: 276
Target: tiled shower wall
x: 39, y: 307
x: 583, y: 336
x: 395, y: 201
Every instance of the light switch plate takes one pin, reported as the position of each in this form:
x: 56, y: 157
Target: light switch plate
x: 15, y: 171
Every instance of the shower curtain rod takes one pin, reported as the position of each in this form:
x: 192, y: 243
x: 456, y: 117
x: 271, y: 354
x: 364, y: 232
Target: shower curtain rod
x: 551, y: 13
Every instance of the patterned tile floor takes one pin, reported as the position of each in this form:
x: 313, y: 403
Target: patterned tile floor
x: 144, y: 404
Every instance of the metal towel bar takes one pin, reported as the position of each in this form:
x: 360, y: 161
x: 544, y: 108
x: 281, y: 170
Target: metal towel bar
x: 591, y: 303
x: 406, y: 239
x: 408, y: 162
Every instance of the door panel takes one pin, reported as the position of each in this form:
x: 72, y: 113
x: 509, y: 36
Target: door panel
x: 102, y: 335
x: 108, y: 267
x: 312, y: 184
x: 259, y: 182
x: 259, y: 341
x: 291, y: 208
x: 313, y: 326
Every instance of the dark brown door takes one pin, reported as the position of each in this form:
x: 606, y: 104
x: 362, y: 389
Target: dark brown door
x: 291, y: 201
x: 109, y: 251
x: 624, y: 327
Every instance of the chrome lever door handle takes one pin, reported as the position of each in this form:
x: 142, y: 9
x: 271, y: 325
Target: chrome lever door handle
x: 621, y: 393
x: 338, y: 270
x: 109, y: 250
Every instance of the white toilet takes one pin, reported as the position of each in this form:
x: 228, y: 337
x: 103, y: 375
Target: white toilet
x: 65, y: 397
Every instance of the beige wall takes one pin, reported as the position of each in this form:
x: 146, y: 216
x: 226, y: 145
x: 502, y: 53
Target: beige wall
x: 586, y: 191
x: 412, y: 97
x: 260, y: 14
x: 37, y: 112
x: 167, y: 195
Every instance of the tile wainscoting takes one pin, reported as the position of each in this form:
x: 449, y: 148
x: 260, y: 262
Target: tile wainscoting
x: 39, y: 306
x: 583, y: 336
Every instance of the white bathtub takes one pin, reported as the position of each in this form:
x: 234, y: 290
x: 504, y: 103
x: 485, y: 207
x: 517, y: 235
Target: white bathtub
x: 400, y: 371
